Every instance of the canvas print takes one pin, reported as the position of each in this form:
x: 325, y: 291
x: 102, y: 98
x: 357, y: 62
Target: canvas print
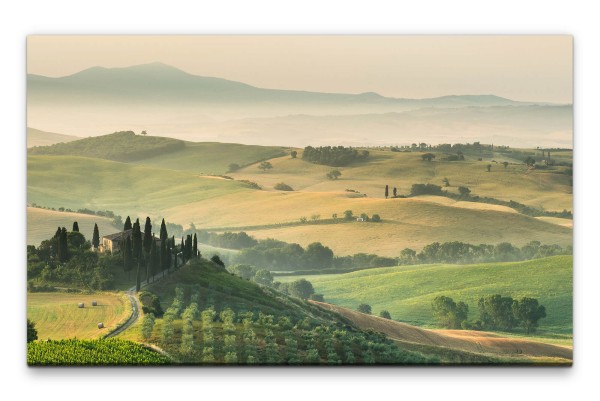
x: 299, y: 200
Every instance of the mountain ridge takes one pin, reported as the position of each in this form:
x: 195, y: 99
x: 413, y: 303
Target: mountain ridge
x: 154, y: 76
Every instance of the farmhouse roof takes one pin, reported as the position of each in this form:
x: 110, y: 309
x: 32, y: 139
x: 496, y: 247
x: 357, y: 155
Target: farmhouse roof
x: 118, y: 236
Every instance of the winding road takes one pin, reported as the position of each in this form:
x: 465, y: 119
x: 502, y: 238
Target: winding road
x: 135, y: 313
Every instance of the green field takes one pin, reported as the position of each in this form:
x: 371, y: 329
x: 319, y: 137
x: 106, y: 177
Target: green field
x: 57, y: 316
x: 407, y: 291
x: 212, y: 157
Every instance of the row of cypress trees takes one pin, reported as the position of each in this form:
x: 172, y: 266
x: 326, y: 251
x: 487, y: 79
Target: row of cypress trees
x: 140, y: 250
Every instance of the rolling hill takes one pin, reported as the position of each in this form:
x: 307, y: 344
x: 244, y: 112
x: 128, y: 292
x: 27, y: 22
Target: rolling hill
x: 42, y: 224
x: 35, y: 137
x: 75, y: 182
x: 467, y: 341
x: 407, y: 291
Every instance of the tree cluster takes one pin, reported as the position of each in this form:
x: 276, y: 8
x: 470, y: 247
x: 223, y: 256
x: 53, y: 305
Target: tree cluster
x: 460, y: 252
x: 335, y: 156
x: 496, y: 312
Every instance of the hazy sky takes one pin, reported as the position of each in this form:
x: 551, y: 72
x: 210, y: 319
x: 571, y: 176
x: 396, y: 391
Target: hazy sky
x: 528, y: 68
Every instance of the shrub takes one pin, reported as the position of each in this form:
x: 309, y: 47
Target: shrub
x: 364, y: 308
x: 281, y: 186
x: 376, y: 218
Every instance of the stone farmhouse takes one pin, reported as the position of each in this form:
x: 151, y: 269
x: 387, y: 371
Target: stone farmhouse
x: 115, y: 242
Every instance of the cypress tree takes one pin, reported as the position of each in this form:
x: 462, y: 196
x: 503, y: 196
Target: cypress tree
x: 163, y: 231
x: 75, y: 227
x: 63, y: 247
x: 182, y: 250
x: 128, y: 257
x: 136, y: 240
x: 195, y: 247
x: 127, y: 225
x: 154, y: 261
x: 386, y: 192
x: 57, y: 233
x: 96, y: 237
x: 147, y: 235
x: 163, y: 257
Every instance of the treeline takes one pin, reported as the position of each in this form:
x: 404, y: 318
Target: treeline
x: 465, y: 195
x: 275, y: 255
x: 123, y: 146
x: 460, y: 252
x: 336, y: 156
x: 495, y: 313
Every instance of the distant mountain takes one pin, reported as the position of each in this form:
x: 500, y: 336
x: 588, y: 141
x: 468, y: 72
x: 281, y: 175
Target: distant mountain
x: 158, y: 83
x: 35, y: 137
x: 165, y: 101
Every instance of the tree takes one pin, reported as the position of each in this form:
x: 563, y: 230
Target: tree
x: 301, y: 288
x: 128, y: 256
x: 448, y: 313
x: 428, y: 156
x: 505, y: 164
x: 75, y: 227
x: 385, y: 314
x: 282, y: 186
x: 317, y: 255
x: 164, y: 236
x: 136, y: 245
x: 62, y: 245
x: 489, y: 168
x: 154, y: 260
x: 364, y: 308
x: 263, y: 277
x: 348, y: 215
x: 446, y: 182
x: 376, y: 218
x: 264, y: 166
x: 148, y: 235
x: 127, y: 225
x: 386, y: 192
x: 496, y: 312
x: 464, y: 192
x: 32, y: 333
x: 529, y: 161
x: 334, y: 174
x: 144, y: 133
x: 294, y: 154
x: 217, y: 260
x: 233, y: 167
x: 195, y: 246
x: 528, y: 312
x: 96, y: 237
x: 395, y: 192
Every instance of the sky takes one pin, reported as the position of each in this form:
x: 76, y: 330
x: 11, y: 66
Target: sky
x: 518, y: 67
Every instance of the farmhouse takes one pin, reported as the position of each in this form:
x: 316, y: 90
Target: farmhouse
x: 115, y: 242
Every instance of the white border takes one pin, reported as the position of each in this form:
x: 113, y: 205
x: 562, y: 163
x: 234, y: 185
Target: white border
x: 18, y: 19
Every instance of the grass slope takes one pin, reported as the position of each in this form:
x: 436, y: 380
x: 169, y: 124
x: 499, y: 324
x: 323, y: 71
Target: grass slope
x: 549, y: 189
x: 212, y: 157
x: 407, y: 291
x: 120, y: 146
x: 42, y: 224
x: 57, y: 316
x: 183, y: 197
